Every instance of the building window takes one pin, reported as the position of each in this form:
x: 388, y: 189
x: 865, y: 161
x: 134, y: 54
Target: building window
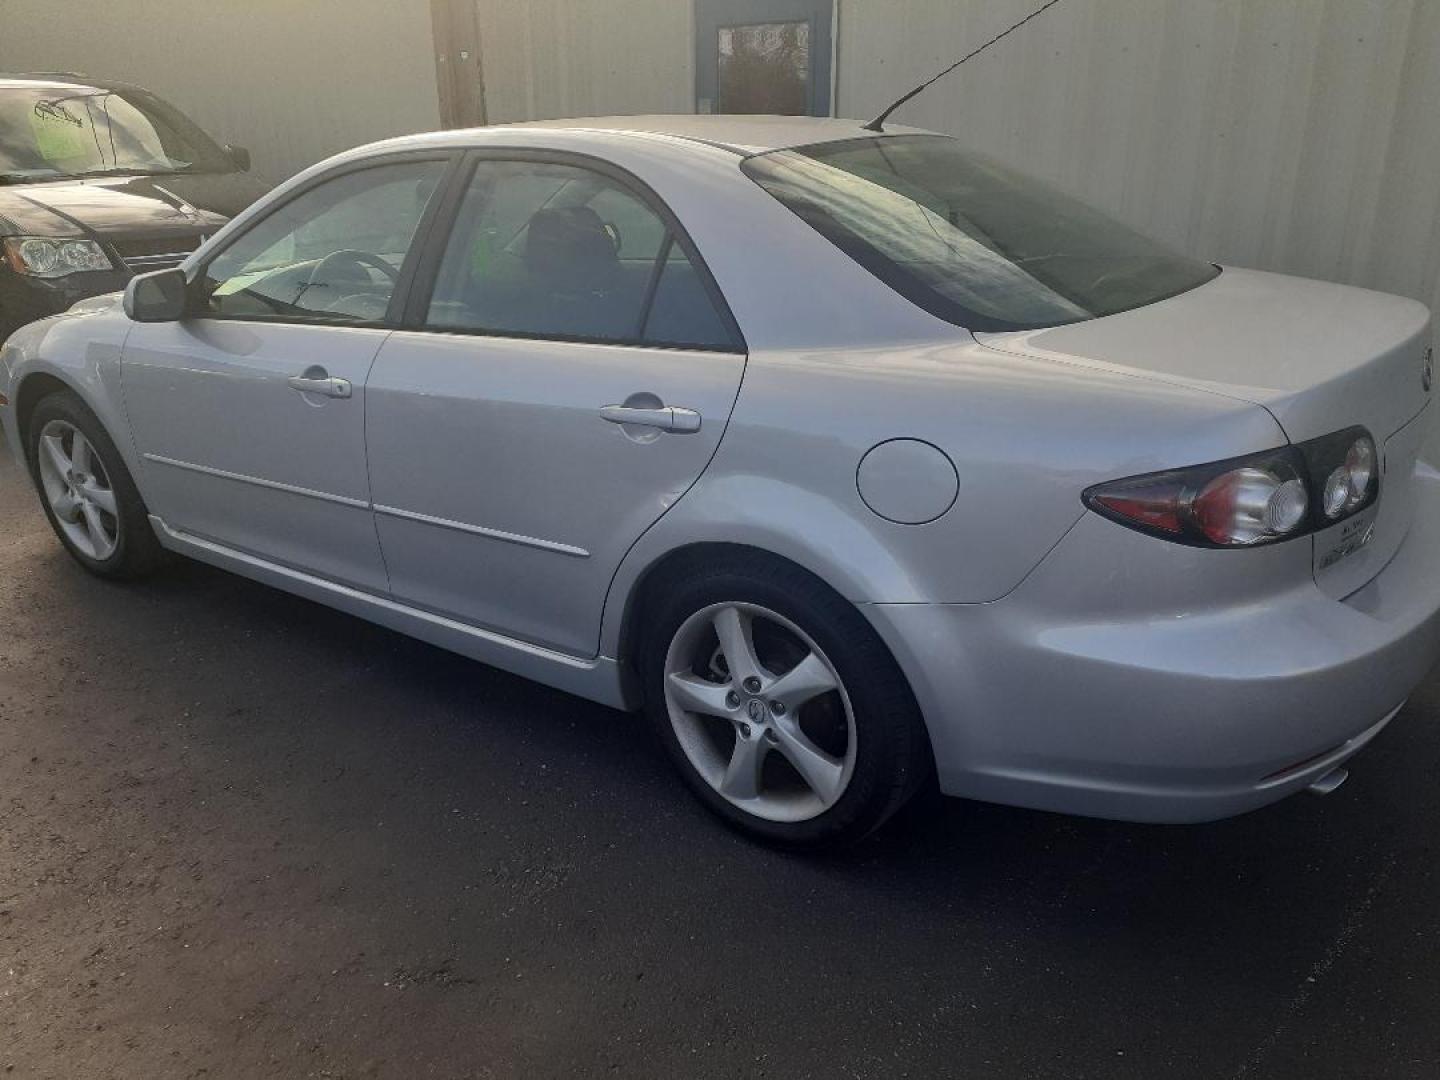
x: 765, y: 68
x: 763, y: 56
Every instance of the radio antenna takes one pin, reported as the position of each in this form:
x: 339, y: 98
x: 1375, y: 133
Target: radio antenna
x: 878, y: 124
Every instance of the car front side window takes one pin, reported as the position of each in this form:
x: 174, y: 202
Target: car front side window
x: 332, y: 253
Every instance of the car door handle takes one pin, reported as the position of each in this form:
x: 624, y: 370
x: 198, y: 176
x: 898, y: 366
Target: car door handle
x: 666, y: 418
x: 324, y: 385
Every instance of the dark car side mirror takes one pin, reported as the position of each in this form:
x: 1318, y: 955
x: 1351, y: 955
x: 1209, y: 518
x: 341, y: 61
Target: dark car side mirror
x: 240, y: 156
x: 157, y: 297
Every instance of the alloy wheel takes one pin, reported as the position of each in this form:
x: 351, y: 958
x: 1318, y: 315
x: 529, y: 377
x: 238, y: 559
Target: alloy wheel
x: 760, y: 712
x: 79, y: 491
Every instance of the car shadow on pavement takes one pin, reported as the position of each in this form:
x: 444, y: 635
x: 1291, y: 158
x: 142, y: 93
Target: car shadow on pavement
x: 607, y: 764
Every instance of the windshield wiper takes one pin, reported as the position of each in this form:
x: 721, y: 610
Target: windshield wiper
x: 25, y: 176
x: 174, y: 170
x: 30, y: 176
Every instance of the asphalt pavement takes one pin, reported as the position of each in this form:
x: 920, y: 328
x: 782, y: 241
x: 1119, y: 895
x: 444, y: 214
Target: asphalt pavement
x: 245, y: 836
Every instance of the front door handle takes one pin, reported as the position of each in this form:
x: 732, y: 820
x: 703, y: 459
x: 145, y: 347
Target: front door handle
x: 670, y: 418
x: 313, y: 382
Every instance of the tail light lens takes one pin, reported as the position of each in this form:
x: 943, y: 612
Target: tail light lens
x: 1347, y: 486
x: 1257, y: 499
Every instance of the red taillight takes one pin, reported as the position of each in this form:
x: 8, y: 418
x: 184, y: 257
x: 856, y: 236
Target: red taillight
x: 1252, y: 500
x: 1235, y: 508
x: 1157, y: 507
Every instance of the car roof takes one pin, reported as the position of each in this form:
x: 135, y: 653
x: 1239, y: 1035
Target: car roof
x: 744, y: 134
x: 720, y: 135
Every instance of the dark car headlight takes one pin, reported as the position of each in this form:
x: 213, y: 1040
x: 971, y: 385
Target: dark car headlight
x: 47, y: 257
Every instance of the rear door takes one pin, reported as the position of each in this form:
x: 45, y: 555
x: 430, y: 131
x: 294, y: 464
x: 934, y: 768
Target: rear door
x: 567, y: 378
x: 249, y: 414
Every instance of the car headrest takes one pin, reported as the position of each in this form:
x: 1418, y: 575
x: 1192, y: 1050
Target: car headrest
x: 570, y: 247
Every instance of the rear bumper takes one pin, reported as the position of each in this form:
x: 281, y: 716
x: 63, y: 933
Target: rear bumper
x: 1158, y: 708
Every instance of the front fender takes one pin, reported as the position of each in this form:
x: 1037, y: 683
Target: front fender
x: 80, y: 350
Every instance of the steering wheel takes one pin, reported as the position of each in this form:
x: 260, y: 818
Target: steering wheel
x: 363, y: 260
x: 613, y: 231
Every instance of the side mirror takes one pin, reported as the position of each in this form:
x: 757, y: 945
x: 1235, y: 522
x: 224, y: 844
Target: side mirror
x: 240, y: 156
x: 157, y: 297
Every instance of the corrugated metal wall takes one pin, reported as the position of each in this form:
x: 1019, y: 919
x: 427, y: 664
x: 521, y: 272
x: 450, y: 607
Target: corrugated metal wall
x: 1294, y: 135
x: 293, y: 81
x: 549, y: 58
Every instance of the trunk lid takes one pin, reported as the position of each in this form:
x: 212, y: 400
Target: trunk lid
x: 1319, y: 356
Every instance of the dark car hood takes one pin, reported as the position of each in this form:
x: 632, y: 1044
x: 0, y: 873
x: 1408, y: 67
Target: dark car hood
x: 119, y: 205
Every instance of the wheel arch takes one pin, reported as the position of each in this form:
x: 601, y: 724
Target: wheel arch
x: 624, y: 619
x: 706, y: 553
x: 762, y: 518
x: 34, y: 387
x: 641, y: 589
x: 95, y: 383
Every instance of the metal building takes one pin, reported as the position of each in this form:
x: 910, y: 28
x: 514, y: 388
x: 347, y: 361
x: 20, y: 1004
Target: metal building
x: 1299, y: 135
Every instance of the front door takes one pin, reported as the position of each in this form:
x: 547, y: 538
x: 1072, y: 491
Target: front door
x: 763, y: 56
x: 574, y: 374
x: 249, y: 414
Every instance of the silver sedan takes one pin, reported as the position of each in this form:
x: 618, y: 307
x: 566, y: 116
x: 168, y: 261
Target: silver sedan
x: 854, y: 459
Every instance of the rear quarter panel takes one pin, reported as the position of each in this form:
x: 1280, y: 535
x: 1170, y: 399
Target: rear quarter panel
x: 1026, y: 437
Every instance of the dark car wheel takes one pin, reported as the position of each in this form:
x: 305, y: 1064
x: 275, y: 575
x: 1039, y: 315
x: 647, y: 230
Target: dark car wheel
x: 87, y: 492
x: 780, y: 705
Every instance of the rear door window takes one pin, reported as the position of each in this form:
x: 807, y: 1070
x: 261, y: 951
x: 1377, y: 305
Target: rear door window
x: 681, y: 312
x: 552, y: 250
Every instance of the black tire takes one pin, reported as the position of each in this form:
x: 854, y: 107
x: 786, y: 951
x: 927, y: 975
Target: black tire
x: 137, y: 552
x: 892, y: 750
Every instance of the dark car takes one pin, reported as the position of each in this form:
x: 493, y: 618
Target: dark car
x: 100, y: 181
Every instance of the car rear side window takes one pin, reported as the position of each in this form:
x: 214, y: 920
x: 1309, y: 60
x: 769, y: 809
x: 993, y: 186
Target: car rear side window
x: 552, y: 250
x: 332, y: 253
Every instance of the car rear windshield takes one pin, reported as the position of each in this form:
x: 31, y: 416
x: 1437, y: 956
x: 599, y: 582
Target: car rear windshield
x: 967, y: 239
x: 57, y: 131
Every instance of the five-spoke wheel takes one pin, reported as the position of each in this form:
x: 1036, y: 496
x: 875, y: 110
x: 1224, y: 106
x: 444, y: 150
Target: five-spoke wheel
x: 87, y: 492
x: 777, y: 700
x: 78, y: 489
x: 760, y: 711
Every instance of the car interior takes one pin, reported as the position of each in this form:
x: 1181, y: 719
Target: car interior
x: 579, y: 266
x: 551, y: 252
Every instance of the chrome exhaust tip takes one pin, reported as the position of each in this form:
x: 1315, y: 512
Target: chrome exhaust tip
x: 1329, y: 782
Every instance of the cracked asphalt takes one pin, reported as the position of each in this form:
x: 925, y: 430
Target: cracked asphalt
x: 245, y: 836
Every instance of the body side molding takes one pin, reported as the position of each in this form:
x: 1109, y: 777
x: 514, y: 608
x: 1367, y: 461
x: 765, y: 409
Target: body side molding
x: 596, y: 678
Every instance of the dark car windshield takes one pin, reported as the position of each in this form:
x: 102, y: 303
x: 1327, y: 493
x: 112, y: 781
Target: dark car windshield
x: 967, y: 239
x: 58, y: 131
